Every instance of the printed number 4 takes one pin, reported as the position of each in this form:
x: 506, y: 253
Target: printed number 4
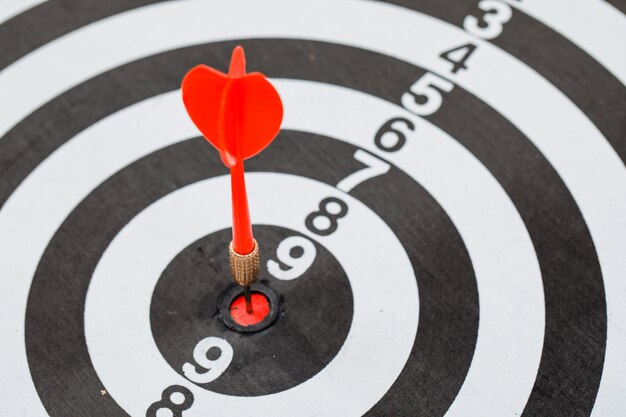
x: 458, y: 56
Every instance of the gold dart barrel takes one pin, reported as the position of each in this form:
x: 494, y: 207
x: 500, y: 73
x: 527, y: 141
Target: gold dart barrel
x: 244, y: 268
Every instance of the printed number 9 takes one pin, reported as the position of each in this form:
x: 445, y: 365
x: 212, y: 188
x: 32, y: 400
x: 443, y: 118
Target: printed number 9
x: 214, y: 367
x: 298, y: 265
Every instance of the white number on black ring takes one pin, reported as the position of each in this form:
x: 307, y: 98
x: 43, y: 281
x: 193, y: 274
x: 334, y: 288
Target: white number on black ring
x: 428, y: 86
x: 497, y: 14
x: 214, y: 367
x: 298, y: 265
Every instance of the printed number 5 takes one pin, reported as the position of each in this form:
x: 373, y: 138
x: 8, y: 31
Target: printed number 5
x: 497, y: 14
x: 425, y: 87
x: 214, y: 367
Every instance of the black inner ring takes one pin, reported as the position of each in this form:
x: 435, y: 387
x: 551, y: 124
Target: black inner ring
x: 313, y: 322
x: 447, y: 286
x: 573, y: 351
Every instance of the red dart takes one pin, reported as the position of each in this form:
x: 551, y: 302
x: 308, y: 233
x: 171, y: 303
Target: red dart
x: 239, y: 114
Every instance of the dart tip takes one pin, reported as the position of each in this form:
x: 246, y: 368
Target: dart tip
x: 248, y: 297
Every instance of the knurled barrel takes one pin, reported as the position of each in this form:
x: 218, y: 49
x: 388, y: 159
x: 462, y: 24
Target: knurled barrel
x: 244, y: 268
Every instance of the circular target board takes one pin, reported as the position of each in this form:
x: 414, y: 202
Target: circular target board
x: 440, y: 219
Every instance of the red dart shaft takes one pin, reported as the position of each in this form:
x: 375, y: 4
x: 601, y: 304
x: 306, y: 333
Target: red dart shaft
x: 243, y: 241
x: 239, y: 114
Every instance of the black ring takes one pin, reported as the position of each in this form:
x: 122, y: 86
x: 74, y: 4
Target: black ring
x: 229, y: 296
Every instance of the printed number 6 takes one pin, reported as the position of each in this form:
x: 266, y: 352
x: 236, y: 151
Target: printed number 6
x: 298, y: 264
x: 214, y: 367
x: 497, y: 14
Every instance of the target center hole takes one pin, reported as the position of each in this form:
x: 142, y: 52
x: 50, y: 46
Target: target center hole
x: 260, y: 309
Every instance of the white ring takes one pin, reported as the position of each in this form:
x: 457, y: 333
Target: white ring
x: 583, y: 158
x: 506, y: 269
x: 598, y: 40
x: 11, y: 8
x: 378, y: 344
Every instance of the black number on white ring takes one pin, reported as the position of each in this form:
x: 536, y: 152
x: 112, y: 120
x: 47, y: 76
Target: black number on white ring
x: 458, y: 56
x: 388, y: 129
x: 167, y: 403
x: 323, y: 212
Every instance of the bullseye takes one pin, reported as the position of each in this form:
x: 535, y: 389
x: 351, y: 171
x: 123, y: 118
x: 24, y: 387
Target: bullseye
x: 260, y: 310
x: 265, y: 305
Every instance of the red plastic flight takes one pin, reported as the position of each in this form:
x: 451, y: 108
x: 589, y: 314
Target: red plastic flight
x: 240, y: 114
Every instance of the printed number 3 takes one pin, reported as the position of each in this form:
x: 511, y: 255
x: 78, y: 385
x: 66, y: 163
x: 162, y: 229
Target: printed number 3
x: 497, y: 14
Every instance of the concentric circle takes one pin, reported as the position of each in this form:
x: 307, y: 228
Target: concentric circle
x: 377, y: 332
x: 194, y: 294
x: 525, y: 213
x: 200, y: 162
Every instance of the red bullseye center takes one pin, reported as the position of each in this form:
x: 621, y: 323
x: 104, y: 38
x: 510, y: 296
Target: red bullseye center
x: 260, y: 310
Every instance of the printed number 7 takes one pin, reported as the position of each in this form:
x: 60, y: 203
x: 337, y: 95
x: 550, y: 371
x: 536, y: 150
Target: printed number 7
x: 373, y: 167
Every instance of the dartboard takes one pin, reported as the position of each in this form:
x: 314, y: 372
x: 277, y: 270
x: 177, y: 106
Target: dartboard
x: 441, y: 218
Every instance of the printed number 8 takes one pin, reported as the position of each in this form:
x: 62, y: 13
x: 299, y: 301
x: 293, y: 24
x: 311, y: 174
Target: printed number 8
x: 168, y: 403
x: 325, y: 213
